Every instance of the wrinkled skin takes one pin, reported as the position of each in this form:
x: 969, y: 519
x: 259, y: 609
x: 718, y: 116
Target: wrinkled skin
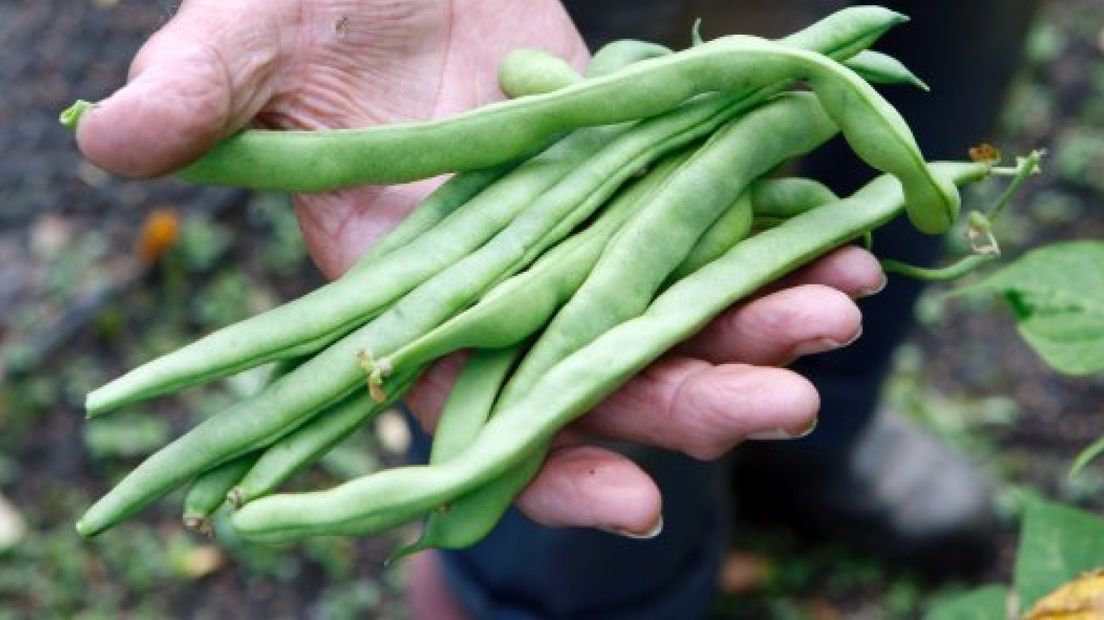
x: 314, y: 64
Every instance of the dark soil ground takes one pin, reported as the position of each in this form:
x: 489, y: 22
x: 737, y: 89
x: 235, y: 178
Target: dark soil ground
x: 77, y: 306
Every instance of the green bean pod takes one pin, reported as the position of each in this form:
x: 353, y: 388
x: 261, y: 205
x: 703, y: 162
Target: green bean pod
x: 579, y: 195
x: 528, y: 71
x: 335, y: 309
x: 618, y: 54
x: 316, y: 161
x: 634, y: 266
x: 310, y: 322
x: 373, y: 503
x: 333, y: 373
x: 336, y: 371
x: 442, y: 202
x: 466, y: 410
x: 730, y: 228
x: 470, y: 401
x: 873, y: 128
x: 789, y: 196
x: 496, y: 330
x: 878, y: 68
x: 873, y: 66
x: 311, y: 441
x: 496, y: 320
x: 208, y: 492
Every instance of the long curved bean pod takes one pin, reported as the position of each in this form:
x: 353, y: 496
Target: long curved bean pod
x: 382, y: 500
x: 873, y: 128
x: 315, y: 161
x: 307, y: 324
x: 335, y: 372
x: 495, y: 320
x: 633, y: 267
x: 308, y: 443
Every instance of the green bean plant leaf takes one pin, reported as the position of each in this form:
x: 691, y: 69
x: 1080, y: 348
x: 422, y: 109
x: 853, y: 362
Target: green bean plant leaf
x: 1057, y: 544
x: 1057, y: 296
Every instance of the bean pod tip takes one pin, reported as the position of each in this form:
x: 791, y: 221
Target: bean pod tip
x: 70, y: 117
x: 200, y: 524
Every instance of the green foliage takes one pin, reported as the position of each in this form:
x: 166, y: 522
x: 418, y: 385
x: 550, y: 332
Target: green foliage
x: 126, y: 435
x: 356, y: 599
x: 1057, y: 544
x: 230, y: 297
x: 285, y: 252
x: 202, y: 242
x: 1052, y: 207
x: 986, y: 603
x: 1080, y: 157
x: 1045, y: 43
x: 1057, y: 295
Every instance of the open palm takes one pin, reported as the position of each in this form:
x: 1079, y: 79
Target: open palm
x: 315, y: 64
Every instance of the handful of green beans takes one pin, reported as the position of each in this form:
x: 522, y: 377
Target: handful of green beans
x: 594, y: 222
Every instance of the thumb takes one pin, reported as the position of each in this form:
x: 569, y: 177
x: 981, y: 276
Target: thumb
x: 201, y: 77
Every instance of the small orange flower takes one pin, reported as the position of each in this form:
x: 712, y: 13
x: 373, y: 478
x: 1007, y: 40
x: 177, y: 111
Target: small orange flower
x: 160, y: 232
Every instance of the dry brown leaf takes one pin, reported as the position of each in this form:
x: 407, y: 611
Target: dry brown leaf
x: 985, y: 152
x: 744, y: 572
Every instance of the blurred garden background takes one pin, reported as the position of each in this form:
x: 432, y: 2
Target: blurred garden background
x: 98, y: 274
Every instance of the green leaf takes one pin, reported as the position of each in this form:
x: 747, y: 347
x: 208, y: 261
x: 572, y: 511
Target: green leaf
x: 1057, y: 544
x: 984, y: 603
x: 1057, y: 294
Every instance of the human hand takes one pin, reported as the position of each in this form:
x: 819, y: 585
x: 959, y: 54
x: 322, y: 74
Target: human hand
x: 315, y: 64
x: 327, y: 64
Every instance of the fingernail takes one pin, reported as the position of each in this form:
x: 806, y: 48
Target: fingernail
x: 654, y: 531
x: 823, y: 345
x: 776, y: 434
x: 874, y: 290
